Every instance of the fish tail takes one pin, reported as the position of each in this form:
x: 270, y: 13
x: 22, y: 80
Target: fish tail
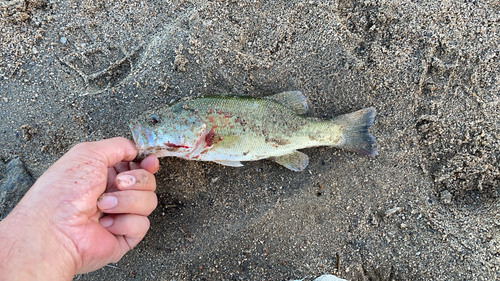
x: 354, y: 131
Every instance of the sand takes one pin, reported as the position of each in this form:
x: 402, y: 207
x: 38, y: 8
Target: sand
x: 425, y: 208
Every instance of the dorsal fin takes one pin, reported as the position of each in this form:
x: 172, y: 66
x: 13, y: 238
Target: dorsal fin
x: 293, y: 100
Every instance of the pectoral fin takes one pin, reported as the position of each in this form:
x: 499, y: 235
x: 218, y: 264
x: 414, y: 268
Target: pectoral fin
x: 229, y: 163
x: 295, y: 161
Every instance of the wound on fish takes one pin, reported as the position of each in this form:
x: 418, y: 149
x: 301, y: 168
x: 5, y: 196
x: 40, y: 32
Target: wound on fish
x: 209, y: 138
x: 173, y: 145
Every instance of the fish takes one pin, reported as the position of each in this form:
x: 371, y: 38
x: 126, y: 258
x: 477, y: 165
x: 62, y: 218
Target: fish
x: 230, y: 129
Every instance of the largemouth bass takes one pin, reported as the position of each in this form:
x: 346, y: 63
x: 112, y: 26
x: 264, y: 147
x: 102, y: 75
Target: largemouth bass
x: 231, y: 129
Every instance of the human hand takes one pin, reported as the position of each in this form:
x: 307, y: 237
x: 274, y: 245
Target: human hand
x: 59, y: 224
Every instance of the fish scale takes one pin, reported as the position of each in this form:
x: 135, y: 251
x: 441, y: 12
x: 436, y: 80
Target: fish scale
x: 258, y: 132
x: 231, y: 129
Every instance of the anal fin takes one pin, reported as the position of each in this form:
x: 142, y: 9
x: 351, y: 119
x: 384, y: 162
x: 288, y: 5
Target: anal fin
x: 295, y: 161
x: 229, y: 163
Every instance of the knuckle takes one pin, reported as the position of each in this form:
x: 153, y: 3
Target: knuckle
x: 144, y: 225
x: 155, y: 201
x: 131, y: 222
x: 138, y: 223
x: 129, y: 200
x: 143, y: 177
x: 147, y: 223
x: 125, y: 201
x: 116, y: 259
x: 150, y: 208
x: 81, y: 146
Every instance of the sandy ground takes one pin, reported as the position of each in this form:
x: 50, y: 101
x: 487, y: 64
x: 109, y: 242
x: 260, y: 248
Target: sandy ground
x: 425, y: 208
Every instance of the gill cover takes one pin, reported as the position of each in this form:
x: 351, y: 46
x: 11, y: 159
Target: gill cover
x: 167, y: 132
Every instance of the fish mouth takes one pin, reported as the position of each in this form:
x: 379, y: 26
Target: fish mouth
x: 143, y: 137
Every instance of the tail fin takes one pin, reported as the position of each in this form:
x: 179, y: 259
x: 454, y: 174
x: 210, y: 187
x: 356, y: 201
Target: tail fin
x: 355, y: 135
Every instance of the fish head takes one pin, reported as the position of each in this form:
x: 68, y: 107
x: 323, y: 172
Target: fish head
x: 167, y: 133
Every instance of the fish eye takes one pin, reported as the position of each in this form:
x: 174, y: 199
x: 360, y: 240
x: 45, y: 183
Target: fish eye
x: 153, y: 120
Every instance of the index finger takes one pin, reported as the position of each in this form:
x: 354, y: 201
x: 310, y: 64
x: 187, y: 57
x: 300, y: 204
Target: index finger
x: 110, y: 151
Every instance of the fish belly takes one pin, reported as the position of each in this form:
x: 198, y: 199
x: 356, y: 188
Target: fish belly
x: 274, y: 142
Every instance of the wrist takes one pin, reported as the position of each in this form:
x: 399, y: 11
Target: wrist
x: 30, y: 251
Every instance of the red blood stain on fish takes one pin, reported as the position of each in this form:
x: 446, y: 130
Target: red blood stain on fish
x: 210, y: 111
x: 173, y: 145
x: 220, y: 112
x: 210, y: 119
x: 227, y: 115
x: 209, y: 138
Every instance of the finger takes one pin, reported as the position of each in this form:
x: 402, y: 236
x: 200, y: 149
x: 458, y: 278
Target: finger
x: 122, y: 167
x: 134, y: 165
x: 128, y: 202
x: 136, y: 179
x: 130, y: 229
x: 109, y: 151
x: 126, y: 166
x: 111, y: 179
x: 150, y: 164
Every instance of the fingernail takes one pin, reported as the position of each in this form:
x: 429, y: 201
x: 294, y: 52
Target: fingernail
x: 125, y: 180
x: 106, y: 221
x: 107, y: 202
